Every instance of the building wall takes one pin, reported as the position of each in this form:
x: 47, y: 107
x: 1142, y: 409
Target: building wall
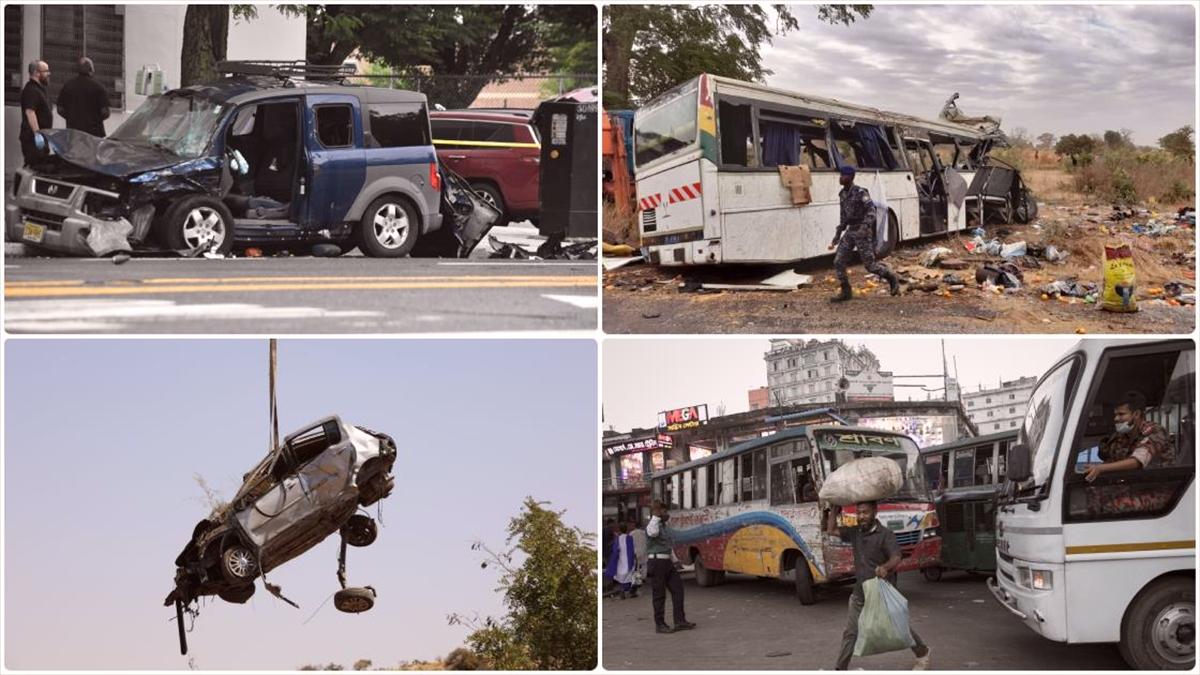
x: 154, y: 35
x: 1001, y: 408
x: 800, y: 371
x: 760, y: 398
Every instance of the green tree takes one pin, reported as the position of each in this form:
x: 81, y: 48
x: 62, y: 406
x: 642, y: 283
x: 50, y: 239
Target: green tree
x: 549, y: 597
x: 463, y: 659
x: 1180, y: 143
x: 650, y: 48
x: 1045, y: 141
x: 1075, y: 145
x: 454, y: 41
x: 206, y: 40
x: 1118, y: 140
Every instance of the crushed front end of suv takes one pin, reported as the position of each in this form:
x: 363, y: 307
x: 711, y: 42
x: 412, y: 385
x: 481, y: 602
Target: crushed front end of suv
x: 313, y: 485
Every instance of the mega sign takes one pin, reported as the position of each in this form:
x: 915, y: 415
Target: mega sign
x: 683, y: 418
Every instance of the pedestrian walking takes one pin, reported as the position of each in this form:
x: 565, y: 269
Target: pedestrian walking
x: 876, y: 554
x: 638, y: 534
x: 856, y: 231
x: 35, y: 109
x: 622, y: 561
x: 662, y: 573
x: 83, y: 102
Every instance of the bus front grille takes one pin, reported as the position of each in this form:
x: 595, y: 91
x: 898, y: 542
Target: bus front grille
x: 908, y: 538
x: 649, y: 220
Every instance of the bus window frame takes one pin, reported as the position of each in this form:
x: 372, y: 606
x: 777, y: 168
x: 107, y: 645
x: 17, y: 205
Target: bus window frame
x: 1160, y: 474
x: 659, y: 102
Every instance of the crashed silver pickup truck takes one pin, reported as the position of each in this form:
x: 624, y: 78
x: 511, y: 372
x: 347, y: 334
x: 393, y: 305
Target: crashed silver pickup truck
x: 308, y: 488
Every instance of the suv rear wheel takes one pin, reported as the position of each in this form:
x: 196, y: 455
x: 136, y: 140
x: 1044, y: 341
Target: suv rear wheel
x: 360, y: 530
x: 389, y: 228
x: 197, y: 221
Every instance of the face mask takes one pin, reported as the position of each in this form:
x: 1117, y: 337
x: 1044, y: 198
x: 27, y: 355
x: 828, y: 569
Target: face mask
x: 1124, y: 427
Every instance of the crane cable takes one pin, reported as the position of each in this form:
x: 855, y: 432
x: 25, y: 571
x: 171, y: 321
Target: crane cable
x: 274, y: 409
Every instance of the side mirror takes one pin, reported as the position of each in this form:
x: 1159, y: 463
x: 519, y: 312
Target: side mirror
x: 1020, y: 467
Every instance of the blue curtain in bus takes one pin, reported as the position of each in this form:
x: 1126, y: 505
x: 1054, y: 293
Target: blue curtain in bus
x: 875, y: 147
x: 781, y: 144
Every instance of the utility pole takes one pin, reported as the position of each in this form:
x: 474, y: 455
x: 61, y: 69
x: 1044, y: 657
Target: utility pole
x: 274, y: 409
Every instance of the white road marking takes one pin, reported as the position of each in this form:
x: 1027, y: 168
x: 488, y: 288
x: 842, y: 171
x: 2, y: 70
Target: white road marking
x: 581, y: 301
x: 110, y: 314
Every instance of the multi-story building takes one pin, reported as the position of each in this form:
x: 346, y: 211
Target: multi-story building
x: 811, y: 371
x: 1001, y: 408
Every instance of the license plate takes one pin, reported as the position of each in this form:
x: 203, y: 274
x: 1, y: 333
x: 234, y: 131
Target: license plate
x: 34, y: 232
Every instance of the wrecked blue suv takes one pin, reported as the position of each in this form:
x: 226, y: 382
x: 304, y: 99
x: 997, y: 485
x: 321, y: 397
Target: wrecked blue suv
x: 268, y: 155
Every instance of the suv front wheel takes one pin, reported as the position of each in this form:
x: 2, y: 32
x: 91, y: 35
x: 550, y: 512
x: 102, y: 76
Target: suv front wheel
x: 197, y: 221
x: 389, y: 228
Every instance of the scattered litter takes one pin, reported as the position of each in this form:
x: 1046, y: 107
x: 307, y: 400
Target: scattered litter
x: 612, y: 263
x: 651, y: 315
x: 953, y: 264
x: 551, y: 249
x: 1186, y: 215
x: 953, y: 280
x: 1004, y: 275
x: 110, y: 236
x: 120, y: 258
x: 993, y: 247
x: 771, y: 655
x: 326, y: 250
x: 1052, y: 254
x: 618, y: 250
x: 1070, y: 288
x: 1013, y: 250
x: 253, y: 252
x: 213, y: 255
x: 931, y: 257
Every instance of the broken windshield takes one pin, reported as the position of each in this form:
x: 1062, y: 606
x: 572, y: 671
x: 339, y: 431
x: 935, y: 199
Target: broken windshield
x: 840, y: 447
x: 667, y: 125
x: 177, y: 124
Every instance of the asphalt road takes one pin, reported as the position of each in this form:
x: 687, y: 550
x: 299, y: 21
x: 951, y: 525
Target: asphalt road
x: 752, y: 624
x: 297, y: 295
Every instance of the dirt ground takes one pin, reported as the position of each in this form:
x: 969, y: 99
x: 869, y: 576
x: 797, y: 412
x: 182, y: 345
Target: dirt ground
x: 648, y: 299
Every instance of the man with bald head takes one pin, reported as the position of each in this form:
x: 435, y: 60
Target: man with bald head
x: 83, y: 102
x: 35, y: 109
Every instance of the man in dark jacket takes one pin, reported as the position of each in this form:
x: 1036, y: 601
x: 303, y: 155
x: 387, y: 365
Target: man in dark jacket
x: 856, y: 230
x: 35, y: 109
x: 83, y: 102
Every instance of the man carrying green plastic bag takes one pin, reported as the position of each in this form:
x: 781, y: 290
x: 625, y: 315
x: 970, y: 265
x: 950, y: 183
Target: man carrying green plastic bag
x: 878, y: 619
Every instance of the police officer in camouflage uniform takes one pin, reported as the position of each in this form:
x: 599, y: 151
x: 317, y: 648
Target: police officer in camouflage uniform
x: 856, y: 230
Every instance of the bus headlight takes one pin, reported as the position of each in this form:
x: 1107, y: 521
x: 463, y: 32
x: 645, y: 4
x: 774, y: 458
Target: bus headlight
x: 1041, y: 580
x: 1023, y: 577
x: 930, y: 521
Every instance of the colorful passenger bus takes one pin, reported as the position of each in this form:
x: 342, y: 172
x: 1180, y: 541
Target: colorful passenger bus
x: 707, y: 156
x: 1111, y: 559
x: 753, y: 508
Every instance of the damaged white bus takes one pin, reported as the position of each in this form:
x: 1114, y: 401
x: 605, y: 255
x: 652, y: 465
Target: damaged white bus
x: 708, y: 155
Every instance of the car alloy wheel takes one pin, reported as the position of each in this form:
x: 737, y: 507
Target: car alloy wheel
x: 391, y: 226
x: 203, y: 225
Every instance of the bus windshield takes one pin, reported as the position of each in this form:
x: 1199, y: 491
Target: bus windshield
x: 840, y: 447
x: 667, y: 125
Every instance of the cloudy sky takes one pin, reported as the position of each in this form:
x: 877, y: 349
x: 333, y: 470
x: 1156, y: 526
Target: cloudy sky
x: 1062, y: 69
x: 643, y: 376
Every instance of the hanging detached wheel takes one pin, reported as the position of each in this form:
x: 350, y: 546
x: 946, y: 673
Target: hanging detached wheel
x: 354, y: 600
x: 360, y: 530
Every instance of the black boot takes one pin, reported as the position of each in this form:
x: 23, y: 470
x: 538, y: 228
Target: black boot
x: 893, y: 282
x: 846, y: 293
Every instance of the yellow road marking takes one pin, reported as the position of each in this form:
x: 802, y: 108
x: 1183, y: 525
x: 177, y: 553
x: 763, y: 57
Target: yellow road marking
x: 1139, y: 546
x: 80, y: 291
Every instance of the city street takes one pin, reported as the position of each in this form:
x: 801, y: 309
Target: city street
x: 752, y: 624
x: 296, y: 295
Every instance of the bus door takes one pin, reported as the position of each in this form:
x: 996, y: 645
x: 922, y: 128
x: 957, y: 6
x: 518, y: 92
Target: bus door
x: 982, y: 534
x: 931, y: 188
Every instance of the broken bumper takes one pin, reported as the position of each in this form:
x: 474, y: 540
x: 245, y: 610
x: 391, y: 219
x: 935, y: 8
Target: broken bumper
x: 49, y: 214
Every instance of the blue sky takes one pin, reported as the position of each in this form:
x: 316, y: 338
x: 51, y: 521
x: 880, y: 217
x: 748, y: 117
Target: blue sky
x: 103, y: 437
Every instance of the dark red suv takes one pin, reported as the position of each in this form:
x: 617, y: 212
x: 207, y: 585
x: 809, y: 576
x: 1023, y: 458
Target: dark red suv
x: 497, y: 151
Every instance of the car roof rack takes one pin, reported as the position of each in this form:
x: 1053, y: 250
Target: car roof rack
x: 289, y: 71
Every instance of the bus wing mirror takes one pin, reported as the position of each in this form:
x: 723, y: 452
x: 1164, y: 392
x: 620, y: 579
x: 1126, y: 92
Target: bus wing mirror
x: 1019, y: 463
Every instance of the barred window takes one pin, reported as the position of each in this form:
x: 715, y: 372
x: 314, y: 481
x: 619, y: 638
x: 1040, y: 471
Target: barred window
x: 94, y: 31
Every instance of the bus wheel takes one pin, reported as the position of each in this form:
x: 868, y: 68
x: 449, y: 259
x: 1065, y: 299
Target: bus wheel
x: 932, y: 573
x: 1159, y: 630
x: 806, y: 593
x: 704, y: 576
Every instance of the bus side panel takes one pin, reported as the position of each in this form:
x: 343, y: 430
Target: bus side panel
x: 748, y: 538
x: 1096, y: 617
x: 760, y: 223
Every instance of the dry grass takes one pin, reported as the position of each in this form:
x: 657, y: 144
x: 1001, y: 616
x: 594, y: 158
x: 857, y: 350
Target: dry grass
x: 619, y: 229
